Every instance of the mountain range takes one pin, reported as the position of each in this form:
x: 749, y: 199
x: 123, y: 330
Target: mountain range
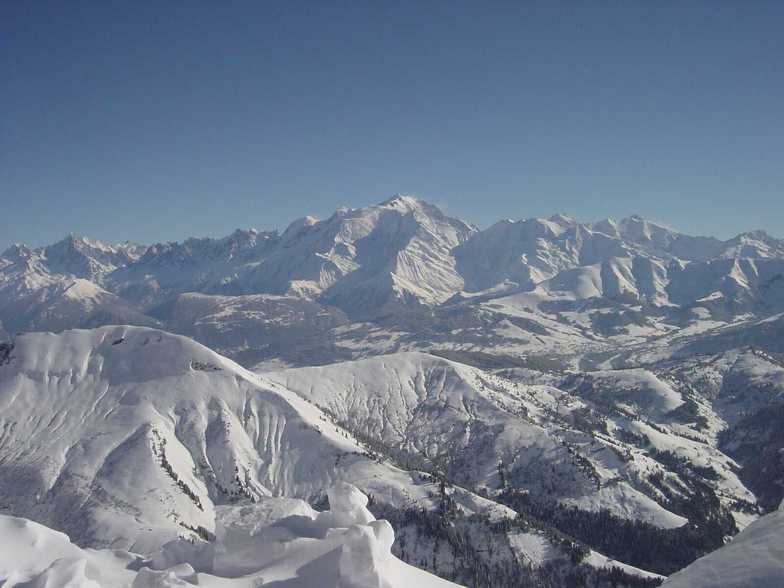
x: 540, y: 403
x: 543, y: 284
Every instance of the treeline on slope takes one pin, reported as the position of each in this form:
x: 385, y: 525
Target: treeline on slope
x: 473, y: 564
x: 494, y: 361
x: 447, y: 527
x: 634, y: 542
x: 5, y: 352
x: 757, y: 442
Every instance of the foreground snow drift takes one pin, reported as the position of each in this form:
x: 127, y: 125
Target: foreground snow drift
x: 754, y: 558
x: 275, y: 542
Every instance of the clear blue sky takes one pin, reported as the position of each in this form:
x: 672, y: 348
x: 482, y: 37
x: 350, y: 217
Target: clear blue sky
x: 157, y: 120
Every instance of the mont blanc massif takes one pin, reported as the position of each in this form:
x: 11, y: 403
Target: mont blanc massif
x: 391, y: 397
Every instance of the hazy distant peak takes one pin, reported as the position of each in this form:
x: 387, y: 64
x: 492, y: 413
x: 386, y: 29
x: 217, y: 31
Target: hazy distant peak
x: 636, y: 219
x: 16, y: 252
x: 76, y: 242
x: 298, y: 225
x: 239, y: 233
x: 402, y: 200
x: 608, y: 226
x: 564, y: 220
x: 406, y: 203
x: 757, y: 235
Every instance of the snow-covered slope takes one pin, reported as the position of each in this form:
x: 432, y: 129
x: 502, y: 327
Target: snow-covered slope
x: 59, y: 286
x: 88, y: 258
x: 554, y: 285
x: 755, y: 558
x: 634, y: 258
x: 396, y: 252
x: 74, y: 256
x: 195, y: 265
x: 256, y: 327
x: 576, y: 444
x: 532, y: 250
x: 619, y: 367
x: 275, y: 542
x: 363, y: 260
x: 126, y: 436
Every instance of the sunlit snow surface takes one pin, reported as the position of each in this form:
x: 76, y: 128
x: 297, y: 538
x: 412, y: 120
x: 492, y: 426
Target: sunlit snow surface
x: 605, y: 356
x: 125, y: 436
x: 755, y: 558
x: 277, y: 542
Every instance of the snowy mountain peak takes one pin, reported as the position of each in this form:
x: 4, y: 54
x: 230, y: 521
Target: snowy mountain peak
x: 403, y: 254
x: 423, y: 209
x: 608, y: 226
x: 87, y: 258
x: 757, y: 235
x: 641, y: 230
x: 563, y: 220
x: 298, y: 225
x: 17, y: 252
x: 637, y: 228
x: 401, y: 200
x: 80, y: 242
x: 758, y: 244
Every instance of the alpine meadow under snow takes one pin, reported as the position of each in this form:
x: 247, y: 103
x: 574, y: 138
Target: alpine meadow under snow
x: 391, y: 397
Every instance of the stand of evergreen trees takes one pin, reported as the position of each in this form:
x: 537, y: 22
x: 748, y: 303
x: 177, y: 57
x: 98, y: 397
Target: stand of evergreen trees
x: 757, y: 442
x: 634, y: 542
x: 473, y: 566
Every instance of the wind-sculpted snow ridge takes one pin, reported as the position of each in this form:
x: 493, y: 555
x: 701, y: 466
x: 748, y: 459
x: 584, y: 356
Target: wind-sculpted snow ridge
x: 274, y: 542
x: 755, y: 558
x: 127, y: 436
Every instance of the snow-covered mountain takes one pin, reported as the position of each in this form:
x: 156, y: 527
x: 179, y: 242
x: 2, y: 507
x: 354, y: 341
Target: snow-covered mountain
x: 632, y: 261
x: 88, y: 258
x: 406, y: 265
x: 125, y: 436
x: 492, y: 433
x: 195, y: 265
x: 59, y: 286
x: 360, y: 260
x: 128, y: 438
x: 542, y: 402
